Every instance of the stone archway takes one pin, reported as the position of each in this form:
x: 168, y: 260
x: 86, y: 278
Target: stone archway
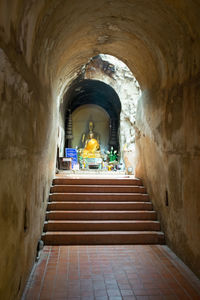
x: 92, y: 92
x: 113, y: 72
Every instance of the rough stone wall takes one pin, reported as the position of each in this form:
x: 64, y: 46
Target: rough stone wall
x: 169, y: 162
x: 26, y: 167
x: 114, y: 72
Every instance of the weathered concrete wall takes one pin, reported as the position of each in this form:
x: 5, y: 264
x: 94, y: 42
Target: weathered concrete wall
x: 169, y: 161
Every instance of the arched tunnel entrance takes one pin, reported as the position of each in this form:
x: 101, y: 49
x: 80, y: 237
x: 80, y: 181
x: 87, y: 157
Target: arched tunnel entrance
x: 105, y: 93
x: 87, y: 93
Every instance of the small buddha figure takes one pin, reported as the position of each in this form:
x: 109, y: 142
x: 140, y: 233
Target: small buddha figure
x: 86, y: 137
x: 92, y: 147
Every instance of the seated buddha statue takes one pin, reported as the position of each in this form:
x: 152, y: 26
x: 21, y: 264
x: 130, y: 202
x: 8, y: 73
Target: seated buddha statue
x: 92, y: 147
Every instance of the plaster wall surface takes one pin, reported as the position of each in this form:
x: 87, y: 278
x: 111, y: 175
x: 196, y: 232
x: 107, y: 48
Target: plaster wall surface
x: 43, y: 46
x: 169, y: 163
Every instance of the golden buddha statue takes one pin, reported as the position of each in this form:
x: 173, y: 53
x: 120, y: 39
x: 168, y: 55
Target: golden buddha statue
x: 92, y: 147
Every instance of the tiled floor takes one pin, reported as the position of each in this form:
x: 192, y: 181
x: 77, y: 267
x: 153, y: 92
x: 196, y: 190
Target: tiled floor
x: 110, y: 272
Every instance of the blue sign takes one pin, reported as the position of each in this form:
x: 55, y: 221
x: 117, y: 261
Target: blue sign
x: 71, y: 152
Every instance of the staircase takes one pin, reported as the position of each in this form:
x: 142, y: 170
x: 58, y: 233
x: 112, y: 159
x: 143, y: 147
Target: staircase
x: 94, y: 211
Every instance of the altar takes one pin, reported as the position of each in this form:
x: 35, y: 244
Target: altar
x: 89, y: 154
x: 93, y: 163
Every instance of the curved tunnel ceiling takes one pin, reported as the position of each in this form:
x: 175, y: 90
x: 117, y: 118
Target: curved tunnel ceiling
x: 158, y: 40
x: 93, y: 92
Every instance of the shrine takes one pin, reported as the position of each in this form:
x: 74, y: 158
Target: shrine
x: 90, y: 156
x: 92, y: 125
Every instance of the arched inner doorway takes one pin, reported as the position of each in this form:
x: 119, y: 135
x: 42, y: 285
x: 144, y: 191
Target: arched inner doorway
x: 92, y: 100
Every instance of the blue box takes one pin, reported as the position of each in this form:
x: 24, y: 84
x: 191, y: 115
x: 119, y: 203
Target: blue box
x: 71, y: 152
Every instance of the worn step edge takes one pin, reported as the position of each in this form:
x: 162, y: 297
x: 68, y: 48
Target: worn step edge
x: 101, y: 215
x: 99, y: 188
x: 103, y: 237
x: 61, y: 205
x: 101, y: 225
x: 98, y: 197
x: 102, y: 221
x: 97, y: 181
x: 93, y: 233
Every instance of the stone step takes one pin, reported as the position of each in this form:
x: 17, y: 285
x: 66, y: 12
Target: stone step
x: 99, y: 197
x: 103, y: 211
x: 100, y: 215
x: 102, y: 237
x: 97, y: 181
x: 99, y: 205
x: 97, y: 189
x: 78, y: 225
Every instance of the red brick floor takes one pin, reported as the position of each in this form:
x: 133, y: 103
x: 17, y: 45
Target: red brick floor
x: 110, y: 272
